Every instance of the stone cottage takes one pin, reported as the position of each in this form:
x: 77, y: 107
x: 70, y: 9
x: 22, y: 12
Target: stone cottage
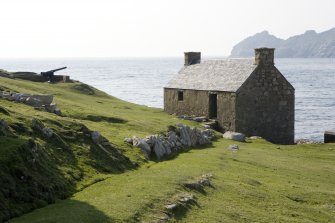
x: 244, y: 95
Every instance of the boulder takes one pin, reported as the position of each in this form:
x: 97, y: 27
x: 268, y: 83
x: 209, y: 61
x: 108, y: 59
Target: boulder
x: 236, y: 136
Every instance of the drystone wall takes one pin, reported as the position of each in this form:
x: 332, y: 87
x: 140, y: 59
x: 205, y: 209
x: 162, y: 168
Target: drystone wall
x: 160, y: 146
x: 41, y: 102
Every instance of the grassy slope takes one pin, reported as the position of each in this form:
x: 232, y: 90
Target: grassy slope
x: 77, y: 164
x: 259, y: 183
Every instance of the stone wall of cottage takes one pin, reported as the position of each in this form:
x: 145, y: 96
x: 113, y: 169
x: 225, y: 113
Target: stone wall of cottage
x: 226, y: 111
x: 265, y: 106
x: 194, y: 102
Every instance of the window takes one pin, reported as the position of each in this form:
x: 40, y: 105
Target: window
x: 180, y: 96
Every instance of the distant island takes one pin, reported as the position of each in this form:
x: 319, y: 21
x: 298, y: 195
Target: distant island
x: 308, y: 45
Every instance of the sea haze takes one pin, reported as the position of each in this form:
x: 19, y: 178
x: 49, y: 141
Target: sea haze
x: 142, y: 80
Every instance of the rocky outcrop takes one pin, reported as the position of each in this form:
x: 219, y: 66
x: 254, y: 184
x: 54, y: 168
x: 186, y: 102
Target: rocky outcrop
x: 236, y: 136
x: 39, y: 126
x: 42, y: 102
x: 174, y: 141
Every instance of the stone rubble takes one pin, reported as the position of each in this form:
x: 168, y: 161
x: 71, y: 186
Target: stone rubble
x: 43, y: 102
x: 200, y: 183
x: 164, y: 145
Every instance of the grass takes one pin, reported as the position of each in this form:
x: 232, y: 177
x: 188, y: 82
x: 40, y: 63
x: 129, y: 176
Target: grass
x: 72, y: 160
x: 261, y: 182
x: 258, y: 183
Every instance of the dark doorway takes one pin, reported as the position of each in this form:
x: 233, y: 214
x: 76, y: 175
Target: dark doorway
x: 213, y: 106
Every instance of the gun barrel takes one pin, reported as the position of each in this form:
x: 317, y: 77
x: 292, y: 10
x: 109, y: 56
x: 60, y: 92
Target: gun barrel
x: 62, y: 68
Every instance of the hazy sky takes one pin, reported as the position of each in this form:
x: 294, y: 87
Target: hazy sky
x: 112, y: 28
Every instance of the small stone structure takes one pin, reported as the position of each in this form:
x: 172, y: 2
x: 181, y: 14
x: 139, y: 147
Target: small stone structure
x: 243, y: 95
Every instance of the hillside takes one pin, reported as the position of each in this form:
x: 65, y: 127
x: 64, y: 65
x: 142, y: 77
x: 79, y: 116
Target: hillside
x: 117, y: 184
x: 307, y: 45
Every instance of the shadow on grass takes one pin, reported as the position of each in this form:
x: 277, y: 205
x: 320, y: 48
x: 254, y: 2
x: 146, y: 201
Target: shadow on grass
x: 67, y: 211
x: 37, y: 171
x: 175, y: 155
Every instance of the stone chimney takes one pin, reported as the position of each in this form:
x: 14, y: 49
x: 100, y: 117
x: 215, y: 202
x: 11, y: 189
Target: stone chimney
x: 264, y: 56
x: 192, y: 58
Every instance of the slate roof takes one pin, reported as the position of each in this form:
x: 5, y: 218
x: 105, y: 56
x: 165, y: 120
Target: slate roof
x: 214, y: 75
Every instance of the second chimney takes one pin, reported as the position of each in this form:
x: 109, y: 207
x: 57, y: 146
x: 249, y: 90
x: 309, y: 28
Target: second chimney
x: 192, y: 58
x: 264, y: 56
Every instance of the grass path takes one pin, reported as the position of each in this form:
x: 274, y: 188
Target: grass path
x: 259, y: 183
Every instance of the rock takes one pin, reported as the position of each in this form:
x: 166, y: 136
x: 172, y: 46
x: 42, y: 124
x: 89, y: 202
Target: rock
x: 5, y: 95
x: 51, y: 108
x: 186, y: 198
x: 233, y: 147
x: 96, y: 137
x: 205, y: 182
x: 143, y: 145
x: 47, y: 132
x: 37, y: 124
x: 171, y: 207
x: 45, y: 99
x: 236, y: 136
x: 4, y: 129
x: 39, y: 100
x: 128, y: 140
x: 200, y: 119
x: 18, y: 97
x: 193, y: 186
x: 34, y: 102
x: 160, y: 149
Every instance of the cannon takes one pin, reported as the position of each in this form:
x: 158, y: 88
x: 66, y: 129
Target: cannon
x: 50, y: 74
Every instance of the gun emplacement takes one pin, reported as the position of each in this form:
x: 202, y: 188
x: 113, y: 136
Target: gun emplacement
x: 50, y: 74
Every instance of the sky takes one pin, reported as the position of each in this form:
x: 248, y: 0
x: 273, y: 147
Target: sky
x: 149, y: 28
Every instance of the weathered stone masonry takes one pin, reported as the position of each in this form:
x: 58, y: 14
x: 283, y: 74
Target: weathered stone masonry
x: 251, y: 97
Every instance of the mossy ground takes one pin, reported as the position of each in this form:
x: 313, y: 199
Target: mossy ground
x: 261, y: 182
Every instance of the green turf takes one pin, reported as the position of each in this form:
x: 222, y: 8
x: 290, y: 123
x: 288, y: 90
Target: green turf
x: 261, y: 182
x: 258, y: 183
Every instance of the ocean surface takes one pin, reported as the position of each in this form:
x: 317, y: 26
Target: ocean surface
x: 142, y: 80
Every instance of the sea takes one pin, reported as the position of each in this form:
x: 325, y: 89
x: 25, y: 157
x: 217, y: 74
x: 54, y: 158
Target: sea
x: 141, y: 81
